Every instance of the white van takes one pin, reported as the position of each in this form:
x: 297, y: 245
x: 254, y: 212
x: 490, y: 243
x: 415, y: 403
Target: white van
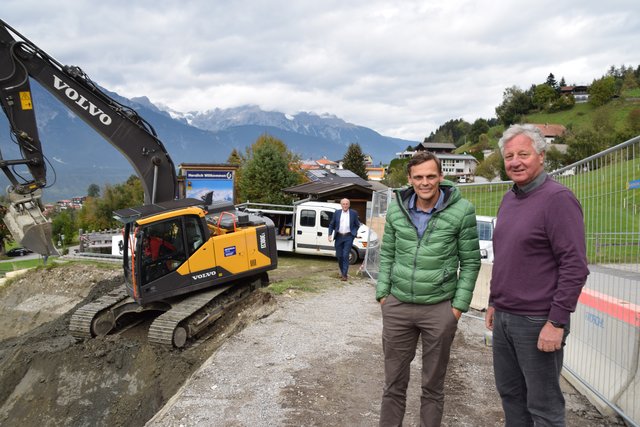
x: 486, y: 224
x: 304, y: 228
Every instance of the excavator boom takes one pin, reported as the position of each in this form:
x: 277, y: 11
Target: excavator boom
x: 121, y: 126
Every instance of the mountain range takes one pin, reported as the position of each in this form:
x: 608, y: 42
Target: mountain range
x: 77, y: 156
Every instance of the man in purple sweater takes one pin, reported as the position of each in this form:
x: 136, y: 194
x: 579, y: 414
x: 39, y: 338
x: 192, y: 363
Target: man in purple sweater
x: 539, y: 269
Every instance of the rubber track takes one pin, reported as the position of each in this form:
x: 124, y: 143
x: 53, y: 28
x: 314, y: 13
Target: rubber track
x: 80, y: 324
x: 161, y: 330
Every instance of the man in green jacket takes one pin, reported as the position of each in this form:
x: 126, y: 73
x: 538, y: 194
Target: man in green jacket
x: 429, y: 263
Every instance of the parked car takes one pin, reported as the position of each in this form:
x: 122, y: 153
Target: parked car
x: 486, y: 224
x: 18, y: 252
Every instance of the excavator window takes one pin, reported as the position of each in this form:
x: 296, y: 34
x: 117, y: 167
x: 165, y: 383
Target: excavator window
x: 162, y: 249
x: 194, y: 234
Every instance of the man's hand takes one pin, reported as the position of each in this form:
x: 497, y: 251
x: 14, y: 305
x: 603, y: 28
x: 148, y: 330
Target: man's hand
x: 488, y: 318
x: 456, y: 313
x: 330, y: 237
x: 382, y: 300
x: 550, y: 338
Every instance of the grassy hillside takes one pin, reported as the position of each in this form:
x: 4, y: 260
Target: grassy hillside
x: 581, y: 116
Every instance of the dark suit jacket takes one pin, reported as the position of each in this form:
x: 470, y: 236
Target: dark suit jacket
x: 354, y: 223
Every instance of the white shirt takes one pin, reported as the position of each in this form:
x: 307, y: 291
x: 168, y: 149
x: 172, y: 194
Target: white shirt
x: 344, y: 223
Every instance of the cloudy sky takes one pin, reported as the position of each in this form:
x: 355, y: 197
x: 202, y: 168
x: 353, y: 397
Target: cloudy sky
x: 401, y: 68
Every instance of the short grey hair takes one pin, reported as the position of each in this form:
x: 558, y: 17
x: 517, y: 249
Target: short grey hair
x: 530, y: 131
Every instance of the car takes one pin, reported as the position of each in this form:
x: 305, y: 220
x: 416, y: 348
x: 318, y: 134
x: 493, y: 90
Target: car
x: 19, y: 252
x: 486, y: 224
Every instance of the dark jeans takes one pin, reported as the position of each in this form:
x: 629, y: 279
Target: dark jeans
x: 527, y: 379
x: 343, y: 247
x: 402, y: 325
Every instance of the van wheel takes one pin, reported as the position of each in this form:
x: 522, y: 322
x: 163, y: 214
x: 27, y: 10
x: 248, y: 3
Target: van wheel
x: 353, y: 256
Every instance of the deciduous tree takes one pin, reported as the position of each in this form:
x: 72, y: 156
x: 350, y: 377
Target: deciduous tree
x: 270, y: 167
x: 584, y: 144
x: 97, y: 213
x: 554, y: 159
x: 633, y: 120
x: 5, y: 236
x: 64, y: 224
x: 478, y: 128
x: 515, y: 103
x: 93, y: 190
x: 602, y: 90
x: 543, y: 96
x: 489, y: 168
x: 395, y: 178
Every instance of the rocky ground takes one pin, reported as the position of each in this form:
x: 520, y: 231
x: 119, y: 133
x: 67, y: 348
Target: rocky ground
x: 304, y: 351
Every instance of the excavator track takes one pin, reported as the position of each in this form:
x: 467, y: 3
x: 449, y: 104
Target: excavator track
x: 183, y: 317
x: 84, y: 321
x: 191, y: 315
x: 165, y: 328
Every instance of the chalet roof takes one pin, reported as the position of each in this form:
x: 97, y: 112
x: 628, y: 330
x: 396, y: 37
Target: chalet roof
x: 309, y: 166
x: 335, y: 176
x: 551, y: 131
x: 326, y: 162
x: 576, y: 88
x: 443, y: 156
x: 378, y: 186
x: 438, y: 145
x: 326, y: 189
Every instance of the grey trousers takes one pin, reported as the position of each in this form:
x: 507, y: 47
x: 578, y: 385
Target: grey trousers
x: 402, y: 324
x: 527, y: 379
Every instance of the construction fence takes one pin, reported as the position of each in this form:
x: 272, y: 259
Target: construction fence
x: 603, y: 348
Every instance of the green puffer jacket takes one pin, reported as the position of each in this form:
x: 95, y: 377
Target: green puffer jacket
x: 425, y: 271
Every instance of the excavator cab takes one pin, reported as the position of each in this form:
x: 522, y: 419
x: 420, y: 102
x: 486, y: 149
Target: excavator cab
x: 160, y: 249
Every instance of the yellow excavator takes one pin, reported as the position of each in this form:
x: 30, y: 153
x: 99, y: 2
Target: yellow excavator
x: 189, y: 259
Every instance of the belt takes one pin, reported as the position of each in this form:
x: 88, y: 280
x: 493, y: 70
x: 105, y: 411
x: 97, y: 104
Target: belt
x: 343, y: 234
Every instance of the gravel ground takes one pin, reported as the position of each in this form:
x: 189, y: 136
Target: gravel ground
x: 317, y: 361
x: 254, y: 378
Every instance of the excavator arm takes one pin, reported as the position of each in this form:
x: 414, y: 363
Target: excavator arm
x: 121, y: 126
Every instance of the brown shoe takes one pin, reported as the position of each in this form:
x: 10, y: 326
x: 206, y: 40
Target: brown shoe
x: 344, y: 278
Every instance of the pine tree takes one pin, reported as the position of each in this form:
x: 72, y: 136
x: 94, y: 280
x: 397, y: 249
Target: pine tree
x: 354, y: 160
x: 235, y: 158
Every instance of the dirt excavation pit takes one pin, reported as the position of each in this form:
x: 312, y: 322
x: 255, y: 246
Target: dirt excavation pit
x: 47, y: 378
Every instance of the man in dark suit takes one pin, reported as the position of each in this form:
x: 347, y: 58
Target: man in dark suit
x: 345, y: 223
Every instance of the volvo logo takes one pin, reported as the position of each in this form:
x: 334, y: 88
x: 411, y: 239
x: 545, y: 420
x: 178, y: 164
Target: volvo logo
x: 203, y: 275
x: 82, y: 102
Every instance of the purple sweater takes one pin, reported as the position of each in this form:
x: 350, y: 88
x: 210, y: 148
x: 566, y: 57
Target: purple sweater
x: 540, y: 262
